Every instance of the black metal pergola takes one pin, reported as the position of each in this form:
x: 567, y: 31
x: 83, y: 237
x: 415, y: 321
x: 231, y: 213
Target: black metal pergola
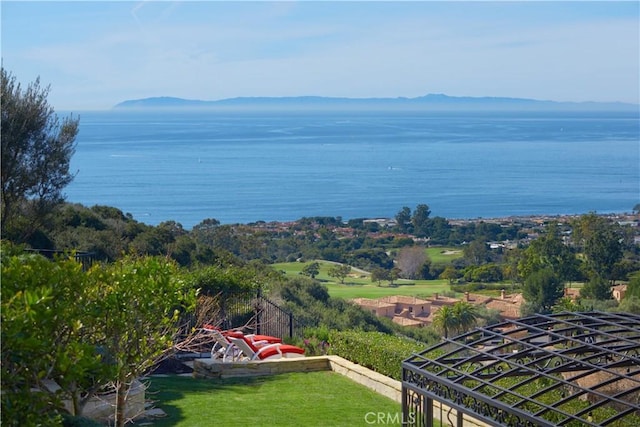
x: 566, y: 369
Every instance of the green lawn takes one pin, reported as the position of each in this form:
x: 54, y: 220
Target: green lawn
x: 293, y: 269
x: 443, y: 255
x: 297, y: 399
x: 422, y: 288
x: 359, y: 285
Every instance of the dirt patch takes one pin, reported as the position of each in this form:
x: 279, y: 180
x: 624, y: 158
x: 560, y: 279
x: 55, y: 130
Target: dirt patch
x: 451, y: 252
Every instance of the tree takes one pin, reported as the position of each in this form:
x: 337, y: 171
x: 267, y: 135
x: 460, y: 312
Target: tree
x: 83, y: 330
x: 420, y: 220
x: 36, y: 152
x: 548, y: 252
x: 596, y: 288
x: 410, y: 259
x: 379, y: 274
x: 466, y: 316
x: 450, y: 273
x: 311, y: 270
x: 630, y: 304
x: 445, y: 320
x: 567, y: 304
x: 134, y: 309
x: 510, y: 265
x: 541, y: 291
x: 394, y: 274
x: 601, y: 243
x: 633, y: 288
x: 439, y: 230
x: 44, y: 338
x: 477, y: 253
x: 340, y: 271
x: 403, y: 219
x: 483, y: 273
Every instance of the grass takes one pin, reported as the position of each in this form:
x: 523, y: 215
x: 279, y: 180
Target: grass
x: 418, y: 288
x: 443, y: 255
x: 297, y: 399
x: 359, y: 284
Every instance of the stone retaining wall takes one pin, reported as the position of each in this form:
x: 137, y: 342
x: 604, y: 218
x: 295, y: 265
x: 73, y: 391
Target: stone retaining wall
x: 209, y: 368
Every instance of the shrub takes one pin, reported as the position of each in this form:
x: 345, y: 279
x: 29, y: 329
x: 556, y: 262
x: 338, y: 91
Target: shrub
x: 76, y: 421
x: 377, y: 351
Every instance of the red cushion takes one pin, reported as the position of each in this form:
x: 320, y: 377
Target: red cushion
x: 267, y: 338
x: 284, y: 349
x: 238, y: 334
x: 269, y: 352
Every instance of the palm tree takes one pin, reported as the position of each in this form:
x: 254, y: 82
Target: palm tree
x: 445, y: 320
x: 466, y: 315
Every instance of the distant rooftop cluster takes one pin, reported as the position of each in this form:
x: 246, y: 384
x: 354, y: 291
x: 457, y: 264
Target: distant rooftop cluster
x: 413, y: 311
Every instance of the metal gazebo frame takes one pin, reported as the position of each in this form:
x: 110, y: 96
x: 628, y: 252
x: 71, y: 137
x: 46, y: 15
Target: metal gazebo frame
x: 565, y: 369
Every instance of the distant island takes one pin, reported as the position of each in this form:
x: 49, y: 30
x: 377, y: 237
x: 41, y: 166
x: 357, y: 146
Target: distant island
x: 430, y: 102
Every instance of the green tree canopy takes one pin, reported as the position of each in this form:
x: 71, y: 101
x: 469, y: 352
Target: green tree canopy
x: 340, y: 271
x: 596, y: 288
x: 312, y: 269
x: 457, y: 318
x: 541, y: 291
x: 36, y: 152
x: 403, y: 219
x: 44, y: 337
x: 83, y: 330
x: 136, y: 304
x: 601, y: 242
x: 444, y: 320
x: 548, y: 252
x: 420, y: 220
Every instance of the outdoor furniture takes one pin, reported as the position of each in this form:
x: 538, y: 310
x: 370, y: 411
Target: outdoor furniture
x: 222, y: 347
x: 267, y: 351
x: 237, y: 334
x: 255, y: 339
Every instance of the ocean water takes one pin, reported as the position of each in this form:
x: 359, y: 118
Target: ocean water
x: 241, y: 167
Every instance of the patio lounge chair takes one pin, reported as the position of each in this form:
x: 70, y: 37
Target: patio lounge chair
x: 225, y: 350
x: 222, y: 347
x: 256, y: 339
x: 268, y: 351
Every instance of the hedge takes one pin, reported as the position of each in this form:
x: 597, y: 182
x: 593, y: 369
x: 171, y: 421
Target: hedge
x: 377, y: 351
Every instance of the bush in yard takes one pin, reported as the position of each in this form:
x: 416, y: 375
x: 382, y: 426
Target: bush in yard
x: 377, y: 351
x: 82, y: 330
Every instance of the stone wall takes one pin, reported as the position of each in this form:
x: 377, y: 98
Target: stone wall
x: 209, y: 368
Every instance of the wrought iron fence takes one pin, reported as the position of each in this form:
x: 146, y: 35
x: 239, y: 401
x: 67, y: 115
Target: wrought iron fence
x: 271, y: 319
x: 259, y: 314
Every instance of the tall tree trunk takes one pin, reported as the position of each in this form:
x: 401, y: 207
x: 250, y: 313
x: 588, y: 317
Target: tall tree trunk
x: 121, y: 399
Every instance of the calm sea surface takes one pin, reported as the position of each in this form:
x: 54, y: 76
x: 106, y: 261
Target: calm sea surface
x: 246, y: 167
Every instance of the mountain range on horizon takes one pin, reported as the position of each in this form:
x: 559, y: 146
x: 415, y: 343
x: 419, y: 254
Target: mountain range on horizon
x: 431, y: 102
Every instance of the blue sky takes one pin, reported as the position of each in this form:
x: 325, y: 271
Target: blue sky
x: 96, y: 54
